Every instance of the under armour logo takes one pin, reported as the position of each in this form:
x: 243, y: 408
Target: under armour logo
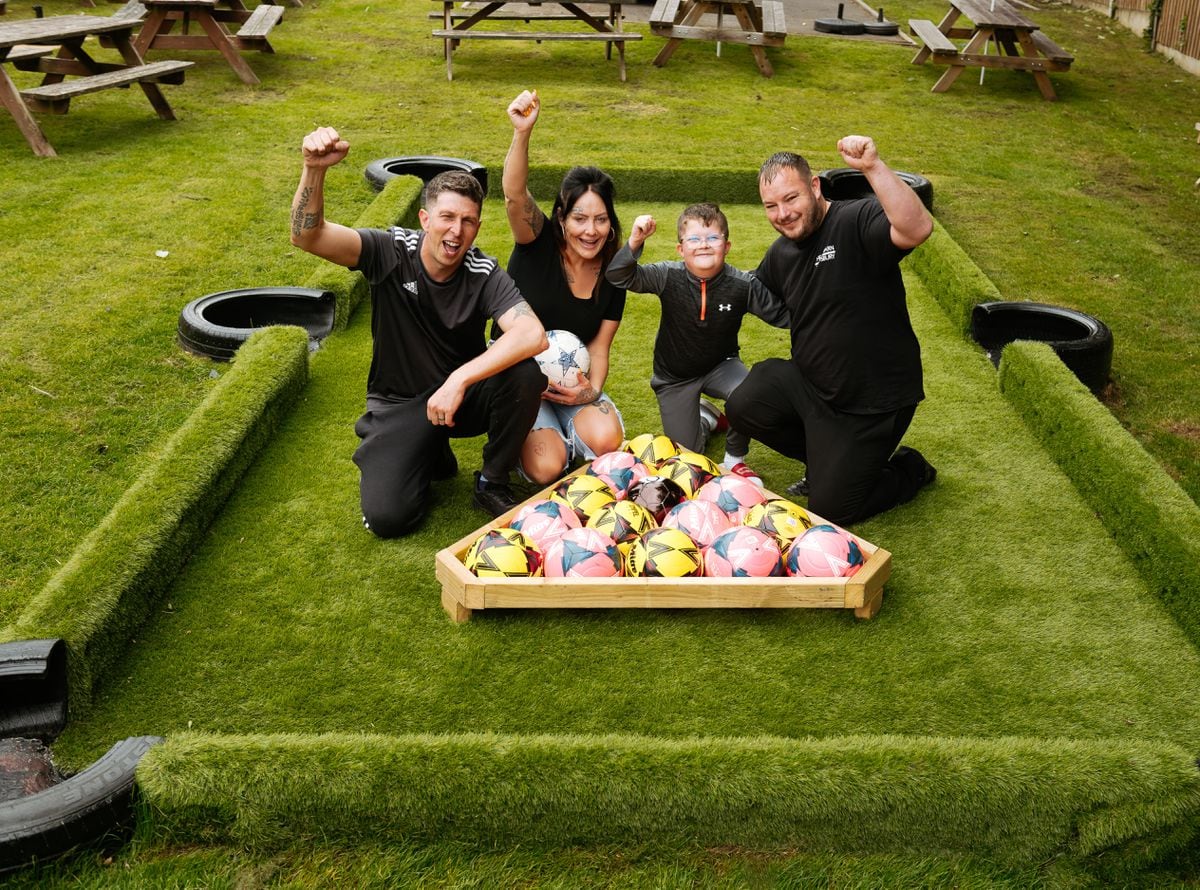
x: 725, y: 307
x: 411, y: 287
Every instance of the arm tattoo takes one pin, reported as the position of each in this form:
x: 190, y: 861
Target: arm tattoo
x: 533, y: 216
x: 590, y: 395
x: 520, y: 309
x: 301, y: 218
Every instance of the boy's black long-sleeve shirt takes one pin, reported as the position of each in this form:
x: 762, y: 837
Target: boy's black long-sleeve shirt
x: 700, y: 318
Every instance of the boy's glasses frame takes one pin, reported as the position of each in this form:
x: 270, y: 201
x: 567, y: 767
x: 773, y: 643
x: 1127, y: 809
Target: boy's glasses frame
x: 697, y: 240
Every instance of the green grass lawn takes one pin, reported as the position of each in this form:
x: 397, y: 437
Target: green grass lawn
x: 1010, y: 611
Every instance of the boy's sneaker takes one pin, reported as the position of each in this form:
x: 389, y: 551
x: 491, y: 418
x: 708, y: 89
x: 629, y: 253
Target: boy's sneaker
x: 712, y: 419
x: 493, y: 498
x: 798, y: 489
x: 740, y: 469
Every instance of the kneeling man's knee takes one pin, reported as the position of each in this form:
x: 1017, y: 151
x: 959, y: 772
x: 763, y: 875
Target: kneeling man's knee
x: 395, y: 519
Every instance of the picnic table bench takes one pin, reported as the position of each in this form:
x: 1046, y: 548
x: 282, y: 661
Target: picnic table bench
x: 1018, y: 43
x: 759, y: 23
x: 54, y: 46
x: 212, y: 17
x: 459, y: 23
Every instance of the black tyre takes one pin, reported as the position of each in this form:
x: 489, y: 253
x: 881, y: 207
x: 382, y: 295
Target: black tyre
x: 217, y: 324
x: 380, y: 172
x: 1083, y: 342
x: 91, y: 805
x: 844, y: 183
x: 33, y: 689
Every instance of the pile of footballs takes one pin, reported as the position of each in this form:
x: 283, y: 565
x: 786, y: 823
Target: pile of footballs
x: 656, y: 510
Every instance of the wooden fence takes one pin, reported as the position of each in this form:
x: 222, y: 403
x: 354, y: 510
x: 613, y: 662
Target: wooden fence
x: 1179, y: 27
x: 1176, y: 27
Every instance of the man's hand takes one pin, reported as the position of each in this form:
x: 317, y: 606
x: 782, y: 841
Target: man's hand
x: 858, y: 152
x: 578, y: 393
x: 643, y: 227
x: 523, y: 111
x: 442, y: 404
x: 323, y: 147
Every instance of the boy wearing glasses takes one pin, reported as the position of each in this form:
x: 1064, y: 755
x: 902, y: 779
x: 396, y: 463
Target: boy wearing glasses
x: 696, y: 348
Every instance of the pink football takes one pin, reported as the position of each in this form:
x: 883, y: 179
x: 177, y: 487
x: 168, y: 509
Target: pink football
x: 824, y: 552
x: 733, y: 494
x: 701, y: 521
x: 743, y: 552
x: 582, y: 553
x: 544, y: 520
x: 619, y: 470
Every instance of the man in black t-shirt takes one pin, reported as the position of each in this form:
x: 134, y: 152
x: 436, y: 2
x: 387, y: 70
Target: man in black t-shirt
x: 845, y: 398
x: 431, y: 377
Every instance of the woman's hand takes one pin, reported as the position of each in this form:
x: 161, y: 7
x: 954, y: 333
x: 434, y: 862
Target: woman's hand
x: 578, y: 393
x: 523, y: 111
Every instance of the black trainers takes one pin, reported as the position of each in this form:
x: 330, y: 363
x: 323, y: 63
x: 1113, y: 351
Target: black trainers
x: 923, y: 471
x: 445, y: 465
x: 798, y: 489
x: 493, y: 498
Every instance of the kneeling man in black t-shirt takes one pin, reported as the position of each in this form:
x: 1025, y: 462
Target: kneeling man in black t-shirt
x: 431, y: 377
x: 845, y: 398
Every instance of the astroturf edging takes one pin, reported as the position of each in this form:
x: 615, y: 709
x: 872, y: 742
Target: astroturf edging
x: 1149, y: 517
x: 952, y: 277
x: 1014, y: 801
x: 114, y: 579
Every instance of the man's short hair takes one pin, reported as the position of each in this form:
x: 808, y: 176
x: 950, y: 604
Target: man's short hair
x: 784, y: 160
x: 706, y: 213
x: 457, y: 181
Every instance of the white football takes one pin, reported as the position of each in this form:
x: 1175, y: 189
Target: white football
x: 565, y: 355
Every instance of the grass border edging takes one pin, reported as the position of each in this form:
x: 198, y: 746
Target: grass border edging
x: 1149, y: 517
x: 1016, y: 801
x: 112, y: 581
x: 951, y: 277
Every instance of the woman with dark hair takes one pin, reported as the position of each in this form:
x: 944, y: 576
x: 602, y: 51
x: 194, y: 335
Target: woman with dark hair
x: 559, y: 263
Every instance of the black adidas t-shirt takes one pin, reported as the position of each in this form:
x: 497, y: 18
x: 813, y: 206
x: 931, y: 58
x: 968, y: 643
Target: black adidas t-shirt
x: 851, y: 334
x: 538, y: 272
x: 423, y: 329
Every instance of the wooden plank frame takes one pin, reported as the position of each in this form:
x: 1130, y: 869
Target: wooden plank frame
x: 463, y: 593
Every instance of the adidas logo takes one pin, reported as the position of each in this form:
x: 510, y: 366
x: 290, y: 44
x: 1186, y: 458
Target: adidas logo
x: 411, y: 287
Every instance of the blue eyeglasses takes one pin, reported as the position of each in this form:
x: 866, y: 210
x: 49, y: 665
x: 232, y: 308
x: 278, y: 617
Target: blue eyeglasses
x: 697, y: 240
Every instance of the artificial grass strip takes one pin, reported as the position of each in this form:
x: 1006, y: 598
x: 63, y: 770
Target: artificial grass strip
x: 951, y: 276
x: 1150, y: 518
x: 1014, y: 801
x: 114, y: 580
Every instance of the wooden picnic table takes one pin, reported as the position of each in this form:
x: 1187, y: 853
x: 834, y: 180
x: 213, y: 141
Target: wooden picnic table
x: 211, y: 16
x: 54, y: 46
x: 999, y: 37
x: 757, y: 23
x: 460, y: 19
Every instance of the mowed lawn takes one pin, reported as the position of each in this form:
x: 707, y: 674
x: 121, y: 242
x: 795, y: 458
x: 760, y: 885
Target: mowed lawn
x: 1010, y: 610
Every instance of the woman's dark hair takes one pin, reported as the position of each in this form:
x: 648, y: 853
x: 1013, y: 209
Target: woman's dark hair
x: 577, y: 183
